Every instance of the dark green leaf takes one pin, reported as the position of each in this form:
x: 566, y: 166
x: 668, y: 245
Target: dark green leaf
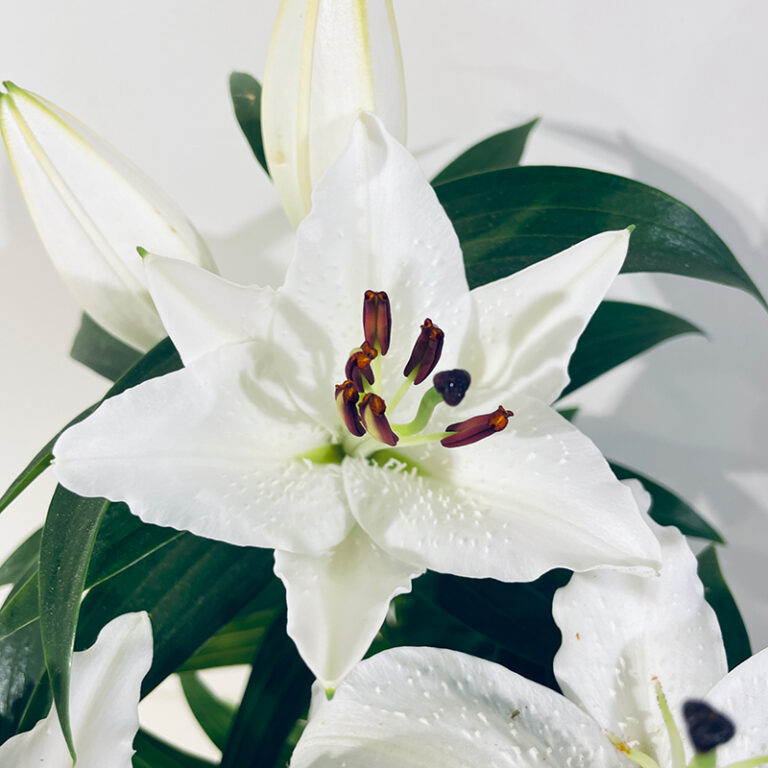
x: 502, y: 150
x: 246, y: 99
x: 214, y: 715
x: 616, y: 333
x: 509, y: 219
x: 65, y: 551
x: 735, y: 637
x: 569, y: 413
x: 21, y: 608
x: 277, y: 694
x: 160, y: 360
x: 151, y: 752
x: 24, y: 557
x: 669, y: 509
x: 21, y: 666
x: 101, y: 352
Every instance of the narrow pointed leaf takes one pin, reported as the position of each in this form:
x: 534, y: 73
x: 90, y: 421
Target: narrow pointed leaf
x: 214, y: 715
x: 667, y: 508
x: 246, y: 99
x: 277, y: 694
x: 21, y: 666
x: 152, y: 752
x: 21, y: 608
x: 502, y: 150
x: 65, y: 551
x: 18, y: 563
x: 101, y: 352
x: 618, y: 332
x: 718, y: 595
x: 509, y: 219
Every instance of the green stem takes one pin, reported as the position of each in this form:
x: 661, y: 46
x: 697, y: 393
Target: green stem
x: 704, y: 760
x: 404, y: 387
x: 432, y: 398
x: 432, y: 437
x: 324, y: 454
x: 376, y: 368
x: 752, y: 762
x: 634, y: 755
x: 675, y: 742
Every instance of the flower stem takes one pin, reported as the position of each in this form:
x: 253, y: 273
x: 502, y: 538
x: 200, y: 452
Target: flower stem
x: 404, y: 387
x: 675, y: 742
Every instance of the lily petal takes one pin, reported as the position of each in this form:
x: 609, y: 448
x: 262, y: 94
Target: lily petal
x: 104, y: 700
x: 424, y: 707
x: 622, y: 635
x: 211, y: 449
x: 92, y: 208
x: 202, y: 311
x: 375, y: 225
x: 536, y: 496
x: 741, y: 696
x: 528, y: 323
x: 337, y: 601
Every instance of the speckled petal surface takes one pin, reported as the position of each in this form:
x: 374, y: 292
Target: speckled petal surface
x: 338, y: 599
x: 622, y: 633
x: 425, y: 707
x: 212, y: 449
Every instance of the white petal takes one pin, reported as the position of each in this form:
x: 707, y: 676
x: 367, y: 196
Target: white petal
x: 534, y: 497
x: 104, y: 699
x: 742, y: 695
x: 528, y: 323
x: 337, y: 601
x: 326, y: 63
x: 92, y: 208
x: 375, y: 224
x: 622, y: 634
x: 424, y: 707
x: 211, y: 449
x: 202, y: 311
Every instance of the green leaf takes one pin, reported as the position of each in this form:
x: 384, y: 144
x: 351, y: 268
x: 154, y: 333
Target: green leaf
x: 23, y: 558
x: 667, y: 508
x: 276, y: 696
x: 101, y: 352
x: 21, y: 608
x: 618, y: 332
x: 735, y: 637
x: 509, y: 219
x: 569, y: 413
x: 214, y: 715
x: 246, y: 99
x: 152, y: 752
x: 21, y: 666
x: 160, y: 360
x: 502, y: 150
x: 65, y: 551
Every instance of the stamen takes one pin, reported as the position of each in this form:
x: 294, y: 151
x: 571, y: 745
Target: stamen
x: 635, y: 755
x: 377, y: 320
x: 426, y: 352
x: 452, y: 385
x: 359, y: 366
x: 476, y: 428
x: 347, y: 396
x: 372, y: 409
x: 675, y: 742
x: 707, y: 727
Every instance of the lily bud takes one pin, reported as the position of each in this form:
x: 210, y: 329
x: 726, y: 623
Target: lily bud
x: 328, y: 60
x: 92, y: 208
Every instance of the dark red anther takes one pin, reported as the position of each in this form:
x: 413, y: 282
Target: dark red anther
x: 372, y: 410
x: 359, y: 365
x: 346, y: 401
x: 426, y: 352
x: 476, y: 428
x: 377, y: 319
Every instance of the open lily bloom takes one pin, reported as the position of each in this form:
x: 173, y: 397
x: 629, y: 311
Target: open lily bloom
x: 104, y: 700
x: 298, y: 422
x: 92, y: 207
x: 634, y: 652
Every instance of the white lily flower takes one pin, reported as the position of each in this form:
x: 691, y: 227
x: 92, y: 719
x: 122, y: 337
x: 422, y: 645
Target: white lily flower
x: 251, y: 443
x: 634, y: 651
x: 328, y: 60
x: 104, y: 700
x: 92, y: 208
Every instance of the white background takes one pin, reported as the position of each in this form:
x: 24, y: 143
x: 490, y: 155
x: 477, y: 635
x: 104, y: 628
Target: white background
x: 670, y: 93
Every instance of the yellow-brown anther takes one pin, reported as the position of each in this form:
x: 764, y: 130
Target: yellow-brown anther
x: 476, y: 428
x: 372, y: 413
x: 346, y: 402
x: 377, y: 319
x: 426, y: 352
x: 359, y: 365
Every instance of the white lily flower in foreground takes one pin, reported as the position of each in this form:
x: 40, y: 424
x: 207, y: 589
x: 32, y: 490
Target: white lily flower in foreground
x: 92, y: 207
x: 104, y: 700
x: 328, y: 60
x: 362, y: 485
x: 634, y: 652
